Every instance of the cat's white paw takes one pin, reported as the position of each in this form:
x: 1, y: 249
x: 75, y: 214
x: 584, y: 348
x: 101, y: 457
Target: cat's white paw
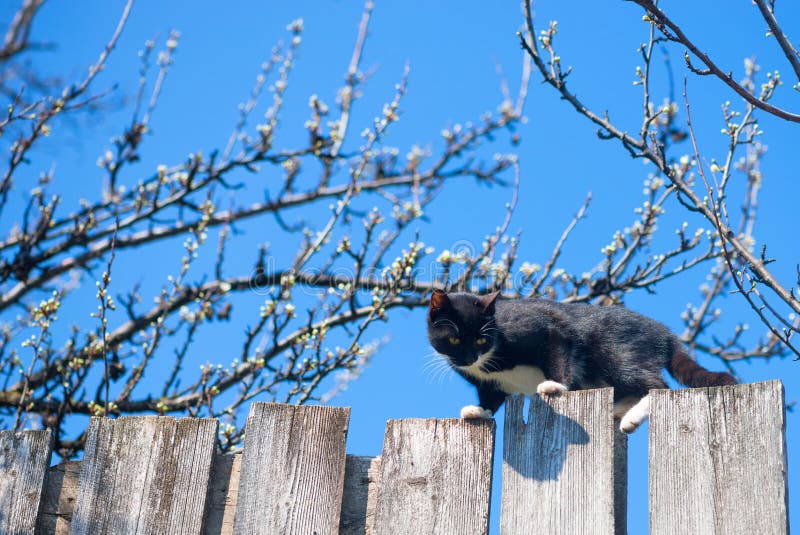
x: 635, y: 416
x: 472, y: 412
x: 550, y: 387
x: 628, y: 426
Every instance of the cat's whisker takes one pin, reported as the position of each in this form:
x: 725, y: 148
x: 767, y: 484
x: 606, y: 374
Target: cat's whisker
x: 442, y: 375
x: 433, y: 355
x: 436, y: 368
x: 433, y: 363
x: 438, y: 374
x: 491, y: 366
x: 432, y: 375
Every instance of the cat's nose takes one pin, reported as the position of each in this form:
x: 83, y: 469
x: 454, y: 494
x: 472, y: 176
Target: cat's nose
x: 471, y: 359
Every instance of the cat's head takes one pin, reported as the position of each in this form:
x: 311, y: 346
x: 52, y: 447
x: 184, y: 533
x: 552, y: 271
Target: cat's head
x: 461, y: 326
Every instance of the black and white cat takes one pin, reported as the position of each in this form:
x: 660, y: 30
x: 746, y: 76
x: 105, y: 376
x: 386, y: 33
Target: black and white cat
x: 527, y: 346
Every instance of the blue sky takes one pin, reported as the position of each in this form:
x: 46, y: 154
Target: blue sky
x: 453, y: 49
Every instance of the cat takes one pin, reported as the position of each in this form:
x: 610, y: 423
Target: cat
x: 527, y: 346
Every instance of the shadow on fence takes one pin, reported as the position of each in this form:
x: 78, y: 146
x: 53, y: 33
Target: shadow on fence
x: 717, y: 465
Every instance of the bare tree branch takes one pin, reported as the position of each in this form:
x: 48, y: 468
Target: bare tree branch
x: 673, y: 32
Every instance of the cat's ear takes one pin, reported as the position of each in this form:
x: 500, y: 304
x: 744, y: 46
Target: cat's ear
x: 439, y: 301
x: 488, y: 302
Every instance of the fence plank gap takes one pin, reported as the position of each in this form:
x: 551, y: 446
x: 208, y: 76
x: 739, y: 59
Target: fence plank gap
x: 24, y: 458
x: 292, y: 472
x: 620, y: 481
x: 145, y: 474
x: 559, y: 467
x: 222, y: 493
x: 58, y: 500
x: 361, y: 480
x: 718, y: 460
x: 353, y: 519
x: 436, y: 477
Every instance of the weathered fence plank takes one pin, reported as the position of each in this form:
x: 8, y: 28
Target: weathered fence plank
x: 61, y: 491
x: 558, y: 468
x: 292, y: 470
x: 358, y: 501
x: 24, y: 458
x: 718, y: 460
x: 436, y: 477
x: 361, y: 480
x: 144, y: 474
x: 717, y: 465
x: 58, y: 499
x: 223, y: 493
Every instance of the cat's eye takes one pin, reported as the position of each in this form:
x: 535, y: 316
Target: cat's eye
x: 481, y: 341
x: 453, y: 340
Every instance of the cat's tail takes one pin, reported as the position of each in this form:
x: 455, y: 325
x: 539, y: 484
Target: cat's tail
x: 691, y: 374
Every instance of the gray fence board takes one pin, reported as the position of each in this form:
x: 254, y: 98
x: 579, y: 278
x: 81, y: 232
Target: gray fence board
x: 292, y: 472
x: 436, y: 477
x: 718, y: 460
x: 362, y: 475
x: 58, y: 499
x: 717, y: 465
x: 558, y: 468
x: 620, y: 481
x: 222, y: 493
x: 145, y: 475
x: 361, y: 483
x: 24, y: 458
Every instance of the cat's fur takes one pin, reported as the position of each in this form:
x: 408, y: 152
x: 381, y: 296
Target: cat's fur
x: 527, y: 346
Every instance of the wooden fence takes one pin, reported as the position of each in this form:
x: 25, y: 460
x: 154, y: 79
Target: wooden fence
x: 717, y: 466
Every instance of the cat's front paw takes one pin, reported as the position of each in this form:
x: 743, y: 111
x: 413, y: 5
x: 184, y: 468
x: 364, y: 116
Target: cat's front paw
x: 473, y: 412
x: 636, y: 416
x: 550, y: 387
x: 628, y: 425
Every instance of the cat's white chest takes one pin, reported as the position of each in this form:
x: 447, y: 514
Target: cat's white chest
x: 518, y: 380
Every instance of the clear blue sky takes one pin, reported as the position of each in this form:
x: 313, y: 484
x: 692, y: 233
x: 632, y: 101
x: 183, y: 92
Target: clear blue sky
x: 452, y: 48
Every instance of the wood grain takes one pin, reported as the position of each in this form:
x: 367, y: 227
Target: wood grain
x: 61, y: 491
x: 361, y: 483
x: 436, y: 477
x: 292, y: 470
x: 558, y: 466
x: 718, y: 460
x: 24, y: 458
x: 222, y: 493
x: 362, y: 475
x: 58, y: 499
x: 144, y: 475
